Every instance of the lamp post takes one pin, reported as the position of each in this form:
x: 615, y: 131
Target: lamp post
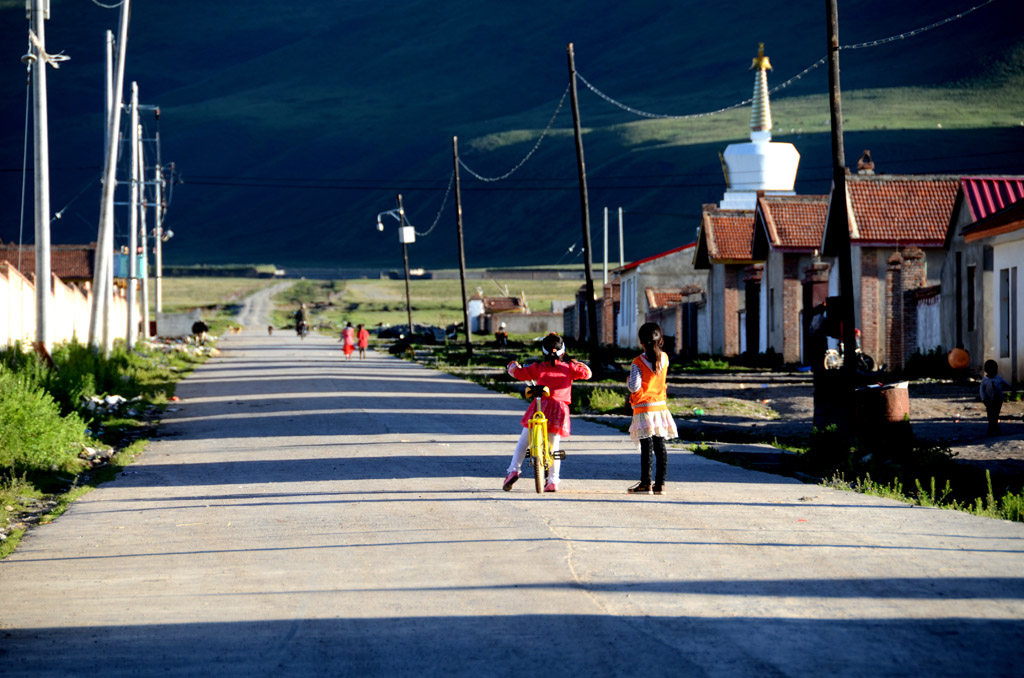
x: 406, y: 234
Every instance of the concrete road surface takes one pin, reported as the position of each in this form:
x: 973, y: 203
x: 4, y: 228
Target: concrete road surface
x: 304, y: 515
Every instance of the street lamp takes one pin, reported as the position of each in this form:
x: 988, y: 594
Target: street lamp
x: 406, y: 235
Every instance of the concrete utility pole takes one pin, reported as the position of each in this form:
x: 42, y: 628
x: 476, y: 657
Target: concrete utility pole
x: 132, y: 331
x: 605, y: 248
x: 584, y: 207
x: 159, y: 228
x: 39, y: 11
x: 622, y: 256
x: 100, y: 330
x: 462, y: 250
x: 143, y: 240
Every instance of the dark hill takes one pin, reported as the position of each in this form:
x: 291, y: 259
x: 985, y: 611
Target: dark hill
x: 293, y: 124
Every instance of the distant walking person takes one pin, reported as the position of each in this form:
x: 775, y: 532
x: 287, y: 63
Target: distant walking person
x: 348, y: 339
x: 652, y: 421
x: 363, y: 340
x: 557, y: 373
x: 991, y: 391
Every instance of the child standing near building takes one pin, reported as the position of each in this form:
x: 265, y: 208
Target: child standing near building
x: 557, y: 372
x: 652, y: 421
x: 991, y: 391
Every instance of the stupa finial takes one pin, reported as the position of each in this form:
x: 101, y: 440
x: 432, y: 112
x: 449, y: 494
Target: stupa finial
x: 761, y: 111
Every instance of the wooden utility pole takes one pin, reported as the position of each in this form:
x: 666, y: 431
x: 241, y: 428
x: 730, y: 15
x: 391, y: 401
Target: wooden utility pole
x: 100, y: 331
x: 839, y: 227
x: 585, y: 209
x: 405, y: 259
x: 462, y: 250
x: 39, y: 11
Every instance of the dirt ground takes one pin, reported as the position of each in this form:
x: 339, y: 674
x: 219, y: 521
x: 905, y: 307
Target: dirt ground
x: 782, y: 406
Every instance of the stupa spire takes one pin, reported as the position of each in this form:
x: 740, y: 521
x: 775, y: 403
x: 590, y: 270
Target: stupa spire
x: 761, y: 110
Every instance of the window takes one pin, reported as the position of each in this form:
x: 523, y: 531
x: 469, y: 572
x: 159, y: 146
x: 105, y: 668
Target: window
x: 1004, y: 313
x: 970, y: 298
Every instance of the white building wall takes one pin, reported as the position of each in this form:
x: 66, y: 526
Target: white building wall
x: 1008, y: 256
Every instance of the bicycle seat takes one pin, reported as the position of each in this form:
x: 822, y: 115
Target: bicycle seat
x: 537, y: 391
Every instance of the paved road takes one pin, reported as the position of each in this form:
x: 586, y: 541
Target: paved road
x: 302, y: 515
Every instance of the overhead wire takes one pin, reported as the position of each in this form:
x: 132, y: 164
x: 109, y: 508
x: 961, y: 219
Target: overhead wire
x: 533, y: 150
x: 860, y: 45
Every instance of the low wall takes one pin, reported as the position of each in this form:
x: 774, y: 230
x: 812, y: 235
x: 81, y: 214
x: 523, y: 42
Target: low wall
x: 69, y: 311
x: 524, y: 323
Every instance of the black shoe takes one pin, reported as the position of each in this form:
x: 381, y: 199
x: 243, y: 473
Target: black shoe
x: 659, y: 489
x: 639, y: 488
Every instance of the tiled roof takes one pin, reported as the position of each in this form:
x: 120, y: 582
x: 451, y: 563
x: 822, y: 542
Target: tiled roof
x: 639, y: 262
x: 794, y: 221
x: 901, y: 209
x: 987, y: 195
x: 659, y: 297
x: 502, y: 304
x: 67, y: 262
x: 729, y: 234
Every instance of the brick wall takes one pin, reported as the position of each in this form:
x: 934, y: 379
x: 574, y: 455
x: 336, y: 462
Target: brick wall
x: 894, y: 312
x: 868, y: 322
x: 791, y: 291
x: 731, y: 306
x: 914, y: 278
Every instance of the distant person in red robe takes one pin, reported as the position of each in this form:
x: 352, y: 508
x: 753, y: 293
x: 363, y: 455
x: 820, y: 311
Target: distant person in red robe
x: 363, y: 339
x: 348, y: 338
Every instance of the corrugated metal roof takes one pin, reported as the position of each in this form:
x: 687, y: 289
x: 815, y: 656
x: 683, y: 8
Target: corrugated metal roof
x: 987, y: 195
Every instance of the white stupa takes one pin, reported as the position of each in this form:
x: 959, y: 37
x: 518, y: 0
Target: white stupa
x: 760, y: 164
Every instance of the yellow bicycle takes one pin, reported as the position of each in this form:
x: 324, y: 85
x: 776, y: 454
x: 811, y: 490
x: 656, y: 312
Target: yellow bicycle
x: 539, y: 447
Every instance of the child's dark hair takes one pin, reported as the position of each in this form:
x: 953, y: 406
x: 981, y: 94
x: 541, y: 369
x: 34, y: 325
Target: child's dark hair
x: 991, y: 368
x: 553, y: 348
x: 651, y: 339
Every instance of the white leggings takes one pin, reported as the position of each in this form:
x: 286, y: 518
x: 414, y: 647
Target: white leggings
x: 520, y: 454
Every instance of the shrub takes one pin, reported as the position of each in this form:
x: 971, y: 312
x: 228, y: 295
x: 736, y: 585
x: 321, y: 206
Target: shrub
x: 33, y: 435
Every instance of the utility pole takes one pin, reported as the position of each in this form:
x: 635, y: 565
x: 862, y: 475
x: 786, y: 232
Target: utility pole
x: 100, y: 330
x: 605, y: 248
x: 462, y: 250
x: 132, y: 334
x: 405, y: 259
x: 159, y: 228
x: 839, y: 228
x: 622, y: 256
x: 584, y: 207
x: 144, y: 242
x: 38, y: 13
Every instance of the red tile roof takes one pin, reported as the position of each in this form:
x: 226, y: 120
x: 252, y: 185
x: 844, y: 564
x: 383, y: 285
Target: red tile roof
x: 659, y: 297
x: 794, y: 221
x: 1004, y: 221
x: 729, y: 234
x: 900, y: 209
x: 67, y: 262
x: 987, y: 195
x: 639, y: 262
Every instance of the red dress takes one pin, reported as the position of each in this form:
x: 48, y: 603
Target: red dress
x: 558, y: 378
x: 347, y: 336
x: 364, y: 338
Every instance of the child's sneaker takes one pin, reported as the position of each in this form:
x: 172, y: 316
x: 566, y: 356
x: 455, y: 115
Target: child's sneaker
x: 510, y: 480
x: 551, y: 487
x: 639, y: 488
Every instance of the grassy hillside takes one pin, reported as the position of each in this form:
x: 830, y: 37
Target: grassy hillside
x: 293, y: 126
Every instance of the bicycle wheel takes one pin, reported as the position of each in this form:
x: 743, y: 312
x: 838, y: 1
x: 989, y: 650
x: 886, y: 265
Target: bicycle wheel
x: 866, y: 362
x: 831, y: 360
x: 537, y: 457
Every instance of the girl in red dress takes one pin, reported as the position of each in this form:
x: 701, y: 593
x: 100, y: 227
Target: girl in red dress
x: 348, y: 338
x: 363, y: 339
x: 557, y: 373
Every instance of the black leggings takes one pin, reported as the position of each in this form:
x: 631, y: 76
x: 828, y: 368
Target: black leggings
x: 660, y: 454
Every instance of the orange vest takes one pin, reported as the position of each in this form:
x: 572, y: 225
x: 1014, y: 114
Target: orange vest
x: 653, y: 394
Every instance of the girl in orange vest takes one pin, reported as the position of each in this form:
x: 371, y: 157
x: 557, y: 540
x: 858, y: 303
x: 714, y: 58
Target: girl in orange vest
x: 652, y: 420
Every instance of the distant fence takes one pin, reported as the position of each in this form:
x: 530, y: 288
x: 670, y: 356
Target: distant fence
x: 70, y: 311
